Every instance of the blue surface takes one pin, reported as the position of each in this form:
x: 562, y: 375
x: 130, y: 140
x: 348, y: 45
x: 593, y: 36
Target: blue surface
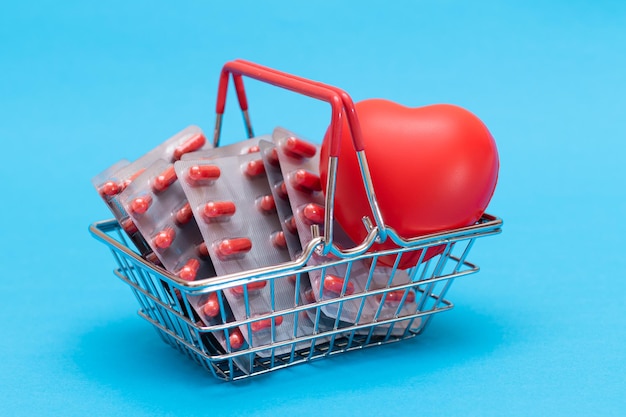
x: 540, y: 331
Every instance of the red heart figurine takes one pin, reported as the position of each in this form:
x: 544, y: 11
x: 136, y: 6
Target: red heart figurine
x: 433, y: 168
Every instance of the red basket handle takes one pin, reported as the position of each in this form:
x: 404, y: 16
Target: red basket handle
x: 341, y: 104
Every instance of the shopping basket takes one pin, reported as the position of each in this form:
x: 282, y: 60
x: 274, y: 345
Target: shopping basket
x: 379, y: 311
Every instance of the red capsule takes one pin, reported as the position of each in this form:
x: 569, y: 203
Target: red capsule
x: 278, y: 240
x: 266, y: 204
x: 110, y: 188
x: 313, y: 214
x: 305, y: 181
x: 164, y: 238
x: 253, y: 286
x: 165, y: 179
x: 272, y: 157
x: 253, y: 149
x: 266, y: 323
x: 189, y: 270
x: 335, y: 284
x: 203, y: 173
x: 309, y: 296
x: 212, y: 306
x: 299, y: 148
x: 129, y: 226
x: 254, y: 168
x: 290, y: 224
x: 130, y: 179
x: 184, y: 214
x: 194, y: 143
x: 141, y: 204
x: 281, y: 190
x: 203, y: 250
x: 233, y: 247
x: 218, y: 209
x: 394, y: 297
x: 236, y: 339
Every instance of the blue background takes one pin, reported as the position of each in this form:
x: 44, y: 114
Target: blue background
x: 541, y: 330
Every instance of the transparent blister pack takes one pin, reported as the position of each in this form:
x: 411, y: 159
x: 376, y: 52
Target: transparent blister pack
x: 112, y: 181
x: 299, y: 162
x: 156, y: 203
x: 232, y: 202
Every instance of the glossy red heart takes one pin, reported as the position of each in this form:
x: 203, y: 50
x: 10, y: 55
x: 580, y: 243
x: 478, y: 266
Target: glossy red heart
x: 433, y: 168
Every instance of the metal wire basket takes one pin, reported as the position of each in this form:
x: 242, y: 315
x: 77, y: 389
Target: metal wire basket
x: 381, y: 309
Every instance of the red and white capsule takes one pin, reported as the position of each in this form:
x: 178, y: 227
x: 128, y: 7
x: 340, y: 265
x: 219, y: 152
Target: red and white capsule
x: 218, y: 210
x: 305, y: 181
x: 202, y: 174
x: 230, y: 248
x: 335, y: 284
x: 164, y: 179
x: 194, y: 143
x: 266, y: 323
x: 164, y: 238
x: 189, y: 271
x: 298, y: 148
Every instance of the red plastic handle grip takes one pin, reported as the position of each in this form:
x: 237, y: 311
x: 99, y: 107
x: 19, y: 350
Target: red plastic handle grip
x: 289, y: 82
x: 348, y: 104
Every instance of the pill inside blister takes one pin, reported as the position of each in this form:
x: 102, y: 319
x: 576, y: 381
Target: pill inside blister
x: 299, y: 148
x: 212, y: 306
x: 218, y: 210
x: 253, y: 149
x: 266, y: 323
x: 189, y: 270
x: 281, y: 190
x: 305, y: 181
x: 164, y: 238
x: 165, y: 179
x: 253, y: 286
x: 203, y: 251
x: 335, y: 284
x: 290, y: 224
x: 272, y: 157
x: 266, y: 204
x: 278, y: 240
x: 141, y: 204
x: 394, y: 297
x: 129, y: 226
x: 130, y: 179
x: 233, y: 248
x: 202, y: 174
x: 110, y: 188
x: 254, y: 168
x: 184, y: 214
x: 313, y: 213
x: 236, y: 339
x: 194, y: 143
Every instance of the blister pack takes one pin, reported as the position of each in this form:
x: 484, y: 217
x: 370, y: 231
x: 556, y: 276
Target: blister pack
x: 111, y: 182
x: 299, y: 162
x: 236, y: 213
x: 156, y: 203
